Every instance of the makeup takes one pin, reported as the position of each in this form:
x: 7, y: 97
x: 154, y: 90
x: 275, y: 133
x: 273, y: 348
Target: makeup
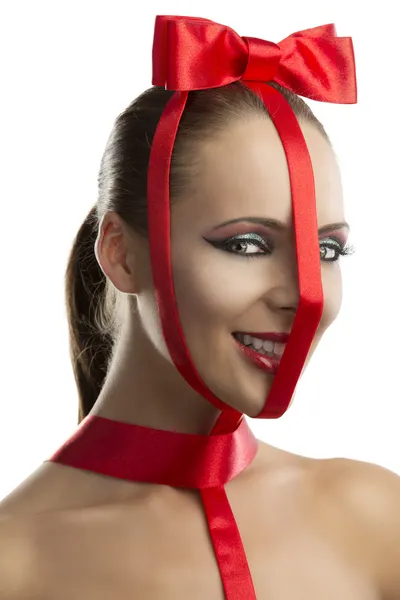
x: 274, y: 337
x: 248, y: 245
x: 268, y: 364
x: 273, y: 224
x: 253, y: 237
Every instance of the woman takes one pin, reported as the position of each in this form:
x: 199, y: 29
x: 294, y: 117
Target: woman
x: 163, y: 492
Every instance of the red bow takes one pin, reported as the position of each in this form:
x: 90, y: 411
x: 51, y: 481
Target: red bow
x: 191, y: 54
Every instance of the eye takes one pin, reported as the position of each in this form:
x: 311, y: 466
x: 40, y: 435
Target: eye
x: 332, y: 249
x: 248, y: 245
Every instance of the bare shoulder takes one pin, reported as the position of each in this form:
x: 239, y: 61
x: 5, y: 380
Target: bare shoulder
x: 17, y: 559
x: 354, y: 504
x: 367, y: 491
x: 360, y: 503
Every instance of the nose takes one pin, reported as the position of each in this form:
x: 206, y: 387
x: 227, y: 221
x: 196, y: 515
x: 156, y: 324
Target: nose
x: 283, y: 289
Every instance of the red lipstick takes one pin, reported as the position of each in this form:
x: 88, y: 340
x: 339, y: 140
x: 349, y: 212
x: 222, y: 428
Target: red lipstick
x: 269, y: 364
x: 266, y: 363
x: 274, y: 337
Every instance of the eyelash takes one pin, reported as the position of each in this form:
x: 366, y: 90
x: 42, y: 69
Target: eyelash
x: 256, y: 240
x: 341, y: 250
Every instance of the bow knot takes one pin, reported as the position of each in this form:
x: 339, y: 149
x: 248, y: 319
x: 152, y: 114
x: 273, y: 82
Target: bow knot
x: 193, y: 54
x: 263, y: 60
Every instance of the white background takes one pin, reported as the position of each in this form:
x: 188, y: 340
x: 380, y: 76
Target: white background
x: 67, y: 70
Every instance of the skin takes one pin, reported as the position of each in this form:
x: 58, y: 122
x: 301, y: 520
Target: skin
x: 243, y: 174
x: 332, y: 524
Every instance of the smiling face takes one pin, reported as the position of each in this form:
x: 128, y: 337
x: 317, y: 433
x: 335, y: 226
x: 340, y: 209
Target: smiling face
x: 234, y: 258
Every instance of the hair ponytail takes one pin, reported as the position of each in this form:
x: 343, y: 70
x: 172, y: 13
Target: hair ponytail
x: 90, y: 348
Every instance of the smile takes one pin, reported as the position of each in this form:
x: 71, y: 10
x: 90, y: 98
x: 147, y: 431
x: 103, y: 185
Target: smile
x: 264, y: 350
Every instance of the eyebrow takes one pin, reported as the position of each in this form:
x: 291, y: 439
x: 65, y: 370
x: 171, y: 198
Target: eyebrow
x: 279, y: 226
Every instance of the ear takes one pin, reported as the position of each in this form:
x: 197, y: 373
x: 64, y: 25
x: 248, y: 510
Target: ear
x: 114, y: 250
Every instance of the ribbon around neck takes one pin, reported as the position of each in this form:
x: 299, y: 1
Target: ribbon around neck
x: 134, y: 453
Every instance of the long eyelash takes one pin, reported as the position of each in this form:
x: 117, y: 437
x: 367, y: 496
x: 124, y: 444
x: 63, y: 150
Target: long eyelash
x: 252, y: 254
x: 252, y: 238
x: 342, y: 250
x: 347, y: 250
x: 257, y: 240
x: 337, y: 245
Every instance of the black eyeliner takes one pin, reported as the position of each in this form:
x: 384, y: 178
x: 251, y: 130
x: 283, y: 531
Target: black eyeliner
x: 251, y: 238
x: 331, y: 242
x: 341, y: 248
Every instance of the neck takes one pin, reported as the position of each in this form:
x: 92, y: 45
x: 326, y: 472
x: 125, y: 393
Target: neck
x: 145, y: 388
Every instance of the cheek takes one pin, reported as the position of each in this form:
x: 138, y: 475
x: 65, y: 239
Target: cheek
x: 332, y: 286
x: 202, y: 293
x: 214, y: 291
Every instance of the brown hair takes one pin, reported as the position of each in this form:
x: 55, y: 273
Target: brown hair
x: 92, y: 301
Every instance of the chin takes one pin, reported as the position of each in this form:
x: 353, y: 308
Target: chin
x: 250, y: 402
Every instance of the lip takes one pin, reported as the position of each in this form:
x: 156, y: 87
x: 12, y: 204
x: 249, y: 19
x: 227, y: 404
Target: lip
x: 268, y: 364
x: 273, y: 337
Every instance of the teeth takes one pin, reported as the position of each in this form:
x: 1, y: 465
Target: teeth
x: 279, y: 348
x: 257, y: 343
x: 263, y: 346
x: 268, y: 346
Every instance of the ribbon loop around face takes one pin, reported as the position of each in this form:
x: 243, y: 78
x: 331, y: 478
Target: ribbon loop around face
x: 314, y: 63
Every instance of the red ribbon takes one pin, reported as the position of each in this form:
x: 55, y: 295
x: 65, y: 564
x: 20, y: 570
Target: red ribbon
x: 141, y: 454
x: 191, y: 54
x: 135, y: 453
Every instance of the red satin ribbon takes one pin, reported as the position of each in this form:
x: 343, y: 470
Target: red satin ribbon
x: 207, y: 463
x: 190, y: 54
x: 136, y: 453
x: 228, y: 546
x: 193, y: 54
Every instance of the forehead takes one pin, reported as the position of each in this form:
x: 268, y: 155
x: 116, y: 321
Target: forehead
x: 243, y: 172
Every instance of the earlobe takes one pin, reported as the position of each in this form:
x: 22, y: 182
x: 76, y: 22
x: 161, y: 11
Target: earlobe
x: 112, y: 253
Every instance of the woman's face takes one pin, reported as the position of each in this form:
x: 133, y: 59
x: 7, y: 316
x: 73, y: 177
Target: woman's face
x: 233, y: 254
